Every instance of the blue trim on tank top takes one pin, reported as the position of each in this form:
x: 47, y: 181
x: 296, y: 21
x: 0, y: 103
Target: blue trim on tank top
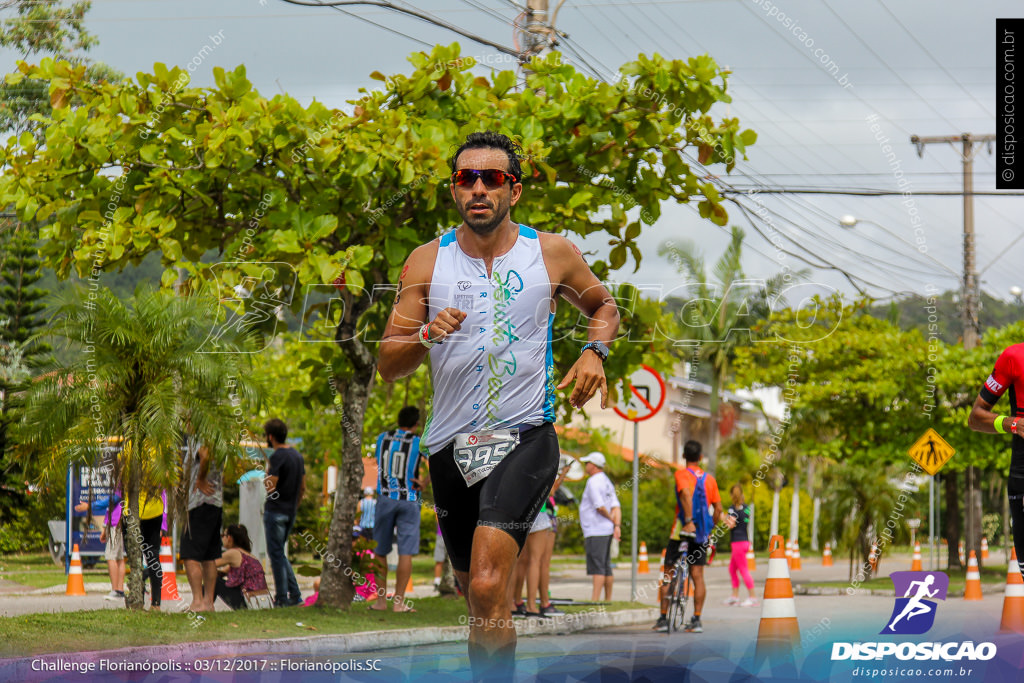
x: 528, y: 232
x: 448, y: 238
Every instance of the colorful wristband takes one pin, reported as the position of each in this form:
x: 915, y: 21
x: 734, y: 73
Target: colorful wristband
x: 425, y: 336
x: 998, y: 424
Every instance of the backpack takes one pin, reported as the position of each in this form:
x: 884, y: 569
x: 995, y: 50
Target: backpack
x: 699, y: 508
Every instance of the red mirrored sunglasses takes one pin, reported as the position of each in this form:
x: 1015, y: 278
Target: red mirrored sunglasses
x: 492, y: 177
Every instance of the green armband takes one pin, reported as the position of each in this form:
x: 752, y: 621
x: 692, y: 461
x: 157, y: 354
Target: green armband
x: 998, y: 424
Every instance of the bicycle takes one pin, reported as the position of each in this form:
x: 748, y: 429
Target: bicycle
x: 677, y: 594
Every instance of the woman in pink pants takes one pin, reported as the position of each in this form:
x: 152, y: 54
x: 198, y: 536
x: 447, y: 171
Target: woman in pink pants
x: 740, y: 545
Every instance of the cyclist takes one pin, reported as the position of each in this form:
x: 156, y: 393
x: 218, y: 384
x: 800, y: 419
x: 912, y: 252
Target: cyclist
x: 684, y: 528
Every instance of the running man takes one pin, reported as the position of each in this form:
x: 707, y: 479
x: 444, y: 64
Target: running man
x: 914, y: 606
x: 1007, y: 374
x: 480, y: 300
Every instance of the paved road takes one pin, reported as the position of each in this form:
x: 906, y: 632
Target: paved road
x: 723, y: 652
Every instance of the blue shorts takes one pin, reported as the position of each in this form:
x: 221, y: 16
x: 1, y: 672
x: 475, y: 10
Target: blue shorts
x: 403, y: 515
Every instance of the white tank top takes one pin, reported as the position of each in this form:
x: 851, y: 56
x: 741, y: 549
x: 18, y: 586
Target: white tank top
x: 497, y: 371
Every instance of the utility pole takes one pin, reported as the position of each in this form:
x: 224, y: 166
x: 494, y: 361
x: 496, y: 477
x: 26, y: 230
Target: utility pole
x: 969, y: 310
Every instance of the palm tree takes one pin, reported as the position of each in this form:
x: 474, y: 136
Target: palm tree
x: 864, y: 498
x: 137, y: 375
x: 719, y: 311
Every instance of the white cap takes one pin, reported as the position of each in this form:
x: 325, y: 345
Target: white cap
x: 367, y: 491
x: 595, y: 457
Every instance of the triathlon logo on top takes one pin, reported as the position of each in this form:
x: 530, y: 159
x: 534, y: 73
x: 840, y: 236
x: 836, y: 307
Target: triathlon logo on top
x: 914, y: 613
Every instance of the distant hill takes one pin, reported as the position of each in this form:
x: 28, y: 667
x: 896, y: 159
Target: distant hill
x: 913, y: 313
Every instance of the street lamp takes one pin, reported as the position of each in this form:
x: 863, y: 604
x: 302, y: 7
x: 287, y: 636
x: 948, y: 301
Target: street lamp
x: 1016, y: 292
x: 849, y: 222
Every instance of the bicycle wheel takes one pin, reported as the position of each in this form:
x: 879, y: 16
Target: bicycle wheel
x: 677, y: 598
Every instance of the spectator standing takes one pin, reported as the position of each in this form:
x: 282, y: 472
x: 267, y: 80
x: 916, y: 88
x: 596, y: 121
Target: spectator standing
x: 106, y: 511
x: 600, y: 517
x: 286, y: 484
x: 200, y: 542
x: 740, y: 544
x: 398, y: 503
x: 367, y: 512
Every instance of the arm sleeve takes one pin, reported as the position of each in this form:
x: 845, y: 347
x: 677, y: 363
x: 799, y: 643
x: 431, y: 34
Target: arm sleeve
x: 1002, y: 376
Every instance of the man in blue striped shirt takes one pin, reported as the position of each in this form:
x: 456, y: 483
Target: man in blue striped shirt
x: 399, y: 489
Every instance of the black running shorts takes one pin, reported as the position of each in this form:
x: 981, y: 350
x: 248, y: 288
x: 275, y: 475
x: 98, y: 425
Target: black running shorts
x: 508, y: 499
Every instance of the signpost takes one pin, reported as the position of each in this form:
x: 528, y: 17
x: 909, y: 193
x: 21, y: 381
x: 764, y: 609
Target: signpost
x: 645, y: 398
x: 931, y: 452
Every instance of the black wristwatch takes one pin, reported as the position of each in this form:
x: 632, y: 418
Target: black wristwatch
x: 597, y: 347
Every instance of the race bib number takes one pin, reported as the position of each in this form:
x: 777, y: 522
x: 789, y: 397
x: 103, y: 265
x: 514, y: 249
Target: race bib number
x: 477, y: 454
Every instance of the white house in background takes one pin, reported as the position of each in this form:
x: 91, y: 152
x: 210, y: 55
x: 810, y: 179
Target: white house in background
x: 685, y: 416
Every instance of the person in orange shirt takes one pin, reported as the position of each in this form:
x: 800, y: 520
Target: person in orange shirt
x: 686, y: 481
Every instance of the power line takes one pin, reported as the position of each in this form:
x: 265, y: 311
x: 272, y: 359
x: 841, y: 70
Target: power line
x: 337, y: 4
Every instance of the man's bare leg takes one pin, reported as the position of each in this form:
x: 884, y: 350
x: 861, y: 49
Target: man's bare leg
x: 700, y: 591
x: 492, y: 636
x: 381, y: 576
x: 608, y: 581
x: 194, y: 574
x: 595, y: 594
x: 402, y: 575
x: 209, y: 583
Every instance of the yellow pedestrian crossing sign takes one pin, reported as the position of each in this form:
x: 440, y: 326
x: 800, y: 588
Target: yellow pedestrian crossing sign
x: 931, y: 451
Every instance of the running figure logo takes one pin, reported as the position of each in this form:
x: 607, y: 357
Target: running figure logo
x: 914, y: 613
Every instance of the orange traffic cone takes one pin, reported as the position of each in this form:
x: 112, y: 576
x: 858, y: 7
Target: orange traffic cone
x: 795, y: 563
x: 984, y: 548
x: 408, y: 588
x: 1013, y: 598
x: 169, y: 587
x: 826, y: 557
x: 972, y: 591
x: 789, y: 554
x: 960, y: 550
x: 751, y: 559
x: 76, y: 584
x: 778, y: 631
x: 664, y: 569
x: 915, y: 563
x: 643, y: 566
x: 873, y: 557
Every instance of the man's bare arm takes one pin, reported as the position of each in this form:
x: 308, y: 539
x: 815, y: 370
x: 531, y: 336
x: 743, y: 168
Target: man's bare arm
x: 982, y: 418
x: 401, y: 351
x: 578, y: 285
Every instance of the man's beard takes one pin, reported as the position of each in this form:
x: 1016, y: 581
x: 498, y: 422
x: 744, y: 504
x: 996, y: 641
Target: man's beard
x: 483, y: 226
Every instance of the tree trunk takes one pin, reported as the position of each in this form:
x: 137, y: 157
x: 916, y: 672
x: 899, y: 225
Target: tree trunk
x: 135, y: 597
x: 814, y: 523
x: 336, y: 580
x: 773, y: 529
x: 976, y: 527
x: 794, y: 509
x: 447, y: 586
x: 952, y: 520
x: 711, y: 452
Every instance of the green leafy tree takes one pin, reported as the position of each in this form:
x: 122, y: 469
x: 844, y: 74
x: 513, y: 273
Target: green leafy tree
x: 297, y: 198
x: 20, y: 309
x: 719, y: 314
x: 138, y: 375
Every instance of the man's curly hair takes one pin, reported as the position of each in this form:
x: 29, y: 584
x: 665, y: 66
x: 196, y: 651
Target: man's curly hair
x: 492, y: 140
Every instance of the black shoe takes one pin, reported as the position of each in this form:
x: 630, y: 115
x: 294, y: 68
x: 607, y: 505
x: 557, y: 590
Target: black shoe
x: 694, y: 626
x: 661, y: 625
x: 550, y: 611
x: 533, y: 615
x: 520, y: 611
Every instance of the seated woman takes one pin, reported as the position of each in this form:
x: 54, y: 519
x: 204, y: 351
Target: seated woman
x: 240, y: 570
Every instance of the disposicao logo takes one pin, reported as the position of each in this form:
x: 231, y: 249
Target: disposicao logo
x: 914, y: 613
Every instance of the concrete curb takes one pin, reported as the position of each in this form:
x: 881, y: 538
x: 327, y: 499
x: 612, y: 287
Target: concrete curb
x: 329, y: 645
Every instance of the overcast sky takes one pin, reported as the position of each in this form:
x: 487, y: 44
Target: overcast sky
x: 921, y: 67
